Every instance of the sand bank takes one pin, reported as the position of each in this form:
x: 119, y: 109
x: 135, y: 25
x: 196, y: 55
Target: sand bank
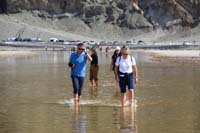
x: 181, y: 56
x: 7, y: 54
x: 177, y: 53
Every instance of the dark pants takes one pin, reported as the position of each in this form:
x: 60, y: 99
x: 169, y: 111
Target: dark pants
x: 77, y: 84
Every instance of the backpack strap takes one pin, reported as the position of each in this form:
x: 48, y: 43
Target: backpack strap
x: 132, y: 59
x: 119, y: 58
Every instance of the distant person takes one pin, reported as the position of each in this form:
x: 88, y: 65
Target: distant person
x: 94, y: 68
x: 73, y: 49
x: 116, y: 54
x: 100, y: 48
x: 77, y: 63
x: 126, y: 70
x: 107, y: 49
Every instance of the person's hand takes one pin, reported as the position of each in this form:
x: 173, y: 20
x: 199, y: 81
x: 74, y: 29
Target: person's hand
x: 117, y: 78
x: 85, y: 51
x: 136, y: 80
x: 71, y: 65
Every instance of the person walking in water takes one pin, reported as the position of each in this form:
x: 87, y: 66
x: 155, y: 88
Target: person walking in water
x: 116, y: 54
x: 126, y: 70
x: 77, y: 63
x: 94, y: 68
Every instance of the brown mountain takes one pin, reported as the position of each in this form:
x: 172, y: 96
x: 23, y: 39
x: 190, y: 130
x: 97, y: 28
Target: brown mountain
x: 111, y: 14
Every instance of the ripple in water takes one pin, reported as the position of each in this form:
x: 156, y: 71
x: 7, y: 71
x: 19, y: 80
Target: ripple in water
x: 70, y: 102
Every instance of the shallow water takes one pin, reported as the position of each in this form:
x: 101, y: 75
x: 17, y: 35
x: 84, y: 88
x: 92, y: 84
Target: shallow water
x: 36, y: 96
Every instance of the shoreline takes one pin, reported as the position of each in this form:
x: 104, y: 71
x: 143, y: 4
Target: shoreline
x: 176, y: 56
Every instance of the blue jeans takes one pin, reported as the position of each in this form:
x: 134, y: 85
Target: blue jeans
x: 126, y: 80
x: 77, y: 84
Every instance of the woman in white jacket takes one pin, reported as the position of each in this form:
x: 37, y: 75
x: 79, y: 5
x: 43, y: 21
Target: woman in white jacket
x: 126, y: 69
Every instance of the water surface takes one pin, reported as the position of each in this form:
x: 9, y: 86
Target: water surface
x: 36, y: 96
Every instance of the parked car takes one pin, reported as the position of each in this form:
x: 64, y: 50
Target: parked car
x: 187, y: 43
x: 62, y: 41
x: 53, y: 39
x: 140, y: 42
x: 10, y: 39
x: 36, y: 40
x: 27, y: 40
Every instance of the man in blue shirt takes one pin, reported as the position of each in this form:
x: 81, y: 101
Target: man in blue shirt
x: 77, y: 62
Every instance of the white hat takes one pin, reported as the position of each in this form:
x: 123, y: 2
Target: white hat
x: 117, y: 48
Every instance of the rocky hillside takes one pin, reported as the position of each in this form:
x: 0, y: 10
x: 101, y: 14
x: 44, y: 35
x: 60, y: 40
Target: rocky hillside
x: 90, y: 15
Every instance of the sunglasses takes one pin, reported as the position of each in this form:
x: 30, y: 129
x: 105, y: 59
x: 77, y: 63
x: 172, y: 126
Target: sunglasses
x: 124, y: 54
x: 81, y: 49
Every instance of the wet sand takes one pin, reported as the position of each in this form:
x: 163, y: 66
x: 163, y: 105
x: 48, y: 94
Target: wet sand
x: 179, y: 56
x: 10, y: 54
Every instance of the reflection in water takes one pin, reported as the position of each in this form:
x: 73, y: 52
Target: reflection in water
x: 127, y: 120
x: 93, y: 92
x: 79, y: 123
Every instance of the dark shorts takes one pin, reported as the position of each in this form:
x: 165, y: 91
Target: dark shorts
x: 77, y: 84
x: 126, y: 79
x: 94, y: 69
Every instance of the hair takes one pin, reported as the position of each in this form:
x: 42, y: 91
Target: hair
x: 93, y: 49
x: 80, y: 44
x: 125, y: 49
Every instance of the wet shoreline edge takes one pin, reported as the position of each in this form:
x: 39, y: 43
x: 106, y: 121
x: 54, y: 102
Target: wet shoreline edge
x: 171, y: 53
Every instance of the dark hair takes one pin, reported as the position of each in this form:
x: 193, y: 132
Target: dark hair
x: 115, y: 53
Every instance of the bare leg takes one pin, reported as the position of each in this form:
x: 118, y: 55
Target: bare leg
x: 92, y: 83
x: 79, y: 98
x: 117, y: 85
x: 123, y: 99
x: 131, y: 96
x: 76, y: 99
x: 96, y: 82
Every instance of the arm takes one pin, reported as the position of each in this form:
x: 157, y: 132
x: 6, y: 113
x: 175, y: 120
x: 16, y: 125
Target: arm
x: 89, y: 58
x: 97, y: 60
x: 116, y: 69
x: 111, y: 65
x: 70, y: 64
x: 135, y: 72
